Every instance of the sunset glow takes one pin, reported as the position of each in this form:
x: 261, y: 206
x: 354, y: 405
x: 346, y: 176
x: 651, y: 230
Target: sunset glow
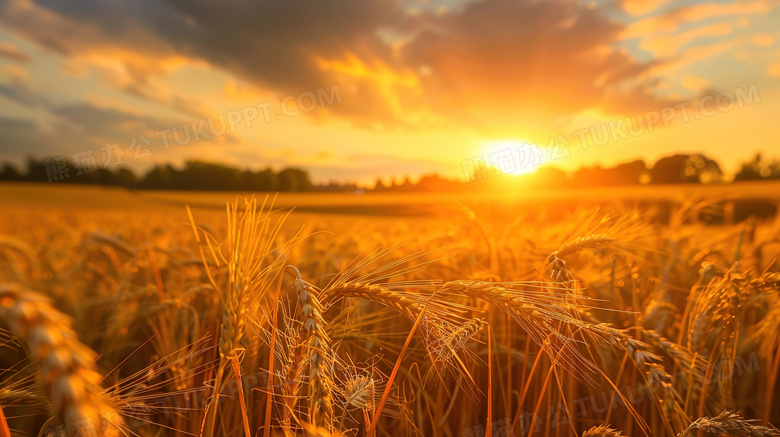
x: 511, y: 157
x: 424, y: 84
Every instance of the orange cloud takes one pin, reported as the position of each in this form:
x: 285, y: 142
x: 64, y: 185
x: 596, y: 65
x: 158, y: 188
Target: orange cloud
x: 774, y: 69
x: 11, y: 51
x: 689, y: 57
x: 694, y: 83
x: 642, y: 7
x: 16, y: 73
x: 763, y: 40
x: 670, y: 21
x: 666, y: 45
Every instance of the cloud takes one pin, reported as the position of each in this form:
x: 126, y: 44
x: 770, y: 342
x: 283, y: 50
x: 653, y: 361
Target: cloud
x: 23, y: 138
x: 74, y: 127
x: 94, y: 123
x: 641, y: 7
x: 668, y: 45
x: 274, y: 44
x: 694, y: 83
x: 504, y: 63
x: 763, y: 40
x: 691, y: 56
x: 494, y: 65
x: 774, y: 69
x: 18, y: 92
x: 671, y: 20
x: 11, y: 51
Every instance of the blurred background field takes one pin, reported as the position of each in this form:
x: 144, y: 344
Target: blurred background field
x: 386, y: 204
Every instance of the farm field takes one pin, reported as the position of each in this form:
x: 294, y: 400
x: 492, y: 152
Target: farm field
x: 651, y: 310
x: 85, y: 196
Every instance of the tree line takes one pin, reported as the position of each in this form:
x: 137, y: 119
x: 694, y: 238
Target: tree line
x: 205, y: 176
x: 194, y: 175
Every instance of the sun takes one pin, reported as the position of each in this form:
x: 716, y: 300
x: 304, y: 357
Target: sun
x: 511, y: 156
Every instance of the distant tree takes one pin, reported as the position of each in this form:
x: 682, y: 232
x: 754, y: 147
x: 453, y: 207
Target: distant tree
x: 774, y: 170
x: 199, y: 175
x: 36, y: 172
x: 160, y: 177
x: 679, y: 168
x: 701, y: 169
x: 669, y: 170
x: 406, y: 185
x: 124, y: 177
x: 10, y: 173
x: 380, y: 186
x: 434, y: 182
x: 268, y: 180
x: 591, y: 177
x: 629, y: 173
x: 294, y: 179
x: 261, y: 180
x: 547, y: 176
x: 755, y: 170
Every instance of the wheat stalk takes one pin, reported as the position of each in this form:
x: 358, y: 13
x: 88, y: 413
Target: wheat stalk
x: 67, y: 371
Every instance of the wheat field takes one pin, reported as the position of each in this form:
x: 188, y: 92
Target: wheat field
x: 600, y: 319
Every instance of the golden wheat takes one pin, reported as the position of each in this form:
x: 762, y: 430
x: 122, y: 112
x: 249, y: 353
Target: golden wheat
x: 509, y: 304
x: 728, y: 423
x: 66, y: 365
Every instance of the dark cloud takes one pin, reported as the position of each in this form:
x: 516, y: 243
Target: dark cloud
x: 21, y: 138
x: 78, y: 127
x: 273, y: 43
x: 20, y: 93
x: 91, y: 123
x: 106, y: 123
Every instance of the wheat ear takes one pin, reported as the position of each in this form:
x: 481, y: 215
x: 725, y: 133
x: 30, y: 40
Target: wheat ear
x: 767, y: 282
x: 658, y: 380
x: 592, y: 241
x: 602, y: 431
x: 320, y: 356
x: 67, y: 371
x: 389, y: 297
x: 728, y: 423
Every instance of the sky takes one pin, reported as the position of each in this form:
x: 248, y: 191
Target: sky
x: 357, y: 89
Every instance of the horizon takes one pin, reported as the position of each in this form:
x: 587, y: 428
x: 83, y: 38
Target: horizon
x: 679, y: 167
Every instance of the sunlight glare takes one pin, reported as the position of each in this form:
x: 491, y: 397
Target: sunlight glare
x: 516, y: 151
